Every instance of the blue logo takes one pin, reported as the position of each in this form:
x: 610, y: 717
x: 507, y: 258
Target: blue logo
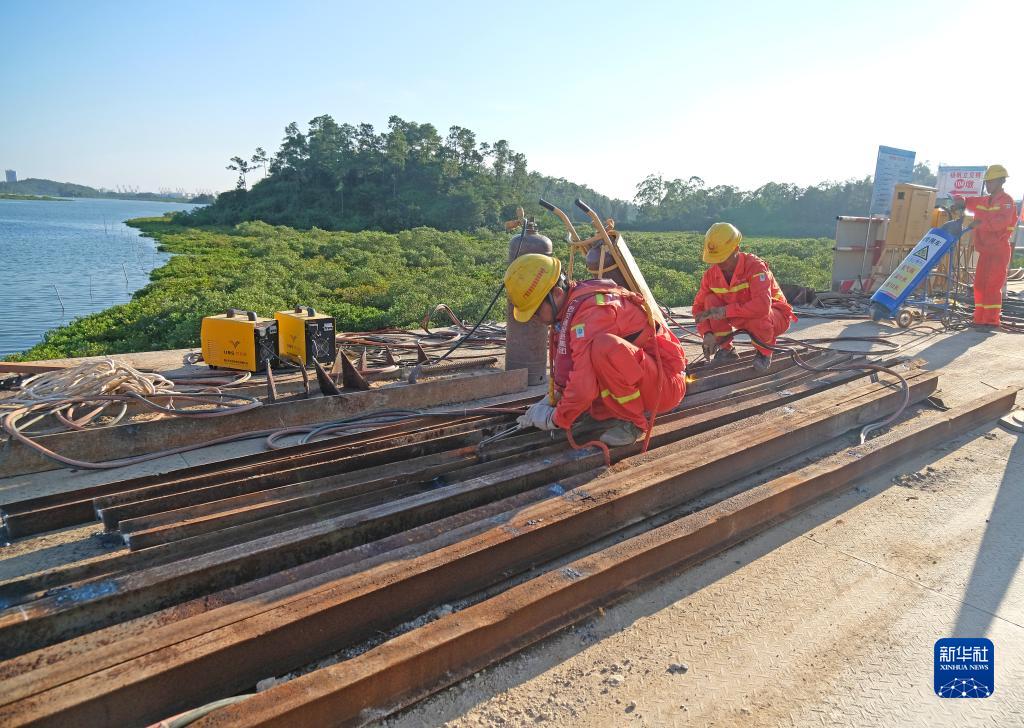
x: 965, y: 668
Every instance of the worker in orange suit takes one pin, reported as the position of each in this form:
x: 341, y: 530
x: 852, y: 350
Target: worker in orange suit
x: 604, y: 351
x: 995, y: 217
x: 738, y: 292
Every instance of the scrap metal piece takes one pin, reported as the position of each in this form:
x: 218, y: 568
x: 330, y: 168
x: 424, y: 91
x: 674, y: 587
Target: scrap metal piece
x: 271, y: 385
x: 336, y: 366
x: 305, y: 381
x: 421, y: 355
x: 327, y: 386
x: 937, y: 401
x: 350, y: 376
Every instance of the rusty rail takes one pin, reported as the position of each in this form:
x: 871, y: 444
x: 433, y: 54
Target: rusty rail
x: 443, y: 652
x: 670, y: 429
x: 126, y: 440
x: 699, y: 418
x: 310, y: 624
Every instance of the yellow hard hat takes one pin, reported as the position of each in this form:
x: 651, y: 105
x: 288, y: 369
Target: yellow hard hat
x: 528, y: 281
x: 719, y: 241
x: 995, y: 171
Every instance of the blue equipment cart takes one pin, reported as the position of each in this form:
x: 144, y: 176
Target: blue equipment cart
x: 892, y: 297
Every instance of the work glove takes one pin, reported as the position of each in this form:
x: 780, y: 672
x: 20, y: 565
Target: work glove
x: 540, y: 415
x: 710, y: 345
x: 711, y: 313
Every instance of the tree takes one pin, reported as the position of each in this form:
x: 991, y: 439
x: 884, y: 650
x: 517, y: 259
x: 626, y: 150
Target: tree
x: 242, y: 167
x: 259, y: 161
x: 293, y: 152
x: 351, y: 177
x: 923, y: 175
x: 650, y: 191
x: 502, y: 154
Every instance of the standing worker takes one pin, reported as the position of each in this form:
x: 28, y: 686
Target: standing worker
x: 738, y: 291
x: 604, y: 351
x: 995, y: 217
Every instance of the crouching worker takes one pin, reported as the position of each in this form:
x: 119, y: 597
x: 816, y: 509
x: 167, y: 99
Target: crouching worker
x: 603, y: 351
x: 738, y: 292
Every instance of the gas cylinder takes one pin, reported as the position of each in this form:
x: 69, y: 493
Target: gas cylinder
x: 526, y: 345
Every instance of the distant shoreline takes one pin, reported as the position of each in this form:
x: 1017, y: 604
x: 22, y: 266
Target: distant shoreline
x: 42, y: 188
x: 36, y: 198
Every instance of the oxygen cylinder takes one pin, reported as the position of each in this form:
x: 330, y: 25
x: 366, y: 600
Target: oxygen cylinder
x: 526, y: 345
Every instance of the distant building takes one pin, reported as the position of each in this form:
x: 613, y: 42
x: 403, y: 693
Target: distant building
x: 12, y: 176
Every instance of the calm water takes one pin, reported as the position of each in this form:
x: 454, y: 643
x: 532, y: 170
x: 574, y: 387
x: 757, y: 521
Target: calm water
x: 79, y: 252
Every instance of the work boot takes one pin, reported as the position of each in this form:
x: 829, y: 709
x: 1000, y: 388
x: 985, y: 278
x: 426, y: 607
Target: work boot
x: 724, y: 356
x: 586, y: 423
x: 762, y: 362
x: 623, y: 433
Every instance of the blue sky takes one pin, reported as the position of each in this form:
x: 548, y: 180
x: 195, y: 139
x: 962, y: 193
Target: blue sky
x: 161, y: 95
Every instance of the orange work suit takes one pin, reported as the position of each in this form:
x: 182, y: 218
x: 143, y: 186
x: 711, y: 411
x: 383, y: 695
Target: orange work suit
x: 995, y: 217
x: 603, y: 357
x: 753, y: 302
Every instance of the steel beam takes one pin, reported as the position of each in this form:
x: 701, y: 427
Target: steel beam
x: 157, y: 528
x: 753, y: 401
x: 112, y: 645
x: 137, y: 438
x: 424, y: 660
x: 29, y: 588
x: 319, y: 621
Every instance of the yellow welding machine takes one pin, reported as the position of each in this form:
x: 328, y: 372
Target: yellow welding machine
x: 239, y: 340
x: 306, y: 335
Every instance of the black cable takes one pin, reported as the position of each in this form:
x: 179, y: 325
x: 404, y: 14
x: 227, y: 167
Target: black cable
x: 794, y: 354
x: 472, y: 331
x: 418, y: 369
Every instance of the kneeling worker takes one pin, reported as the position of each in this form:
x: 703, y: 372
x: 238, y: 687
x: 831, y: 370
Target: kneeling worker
x: 738, y: 291
x: 604, y: 352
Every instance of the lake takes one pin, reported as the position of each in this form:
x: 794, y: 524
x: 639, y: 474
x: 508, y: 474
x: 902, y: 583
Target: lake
x: 62, y: 260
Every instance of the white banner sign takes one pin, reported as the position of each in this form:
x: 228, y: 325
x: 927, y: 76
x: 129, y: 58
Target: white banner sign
x: 963, y: 181
x: 893, y: 167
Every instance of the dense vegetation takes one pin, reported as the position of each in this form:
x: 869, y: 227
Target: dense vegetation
x: 50, y: 188
x: 365, y: 279
x: 345, y: 177
x: 34, y: 198
x: 772, y: 209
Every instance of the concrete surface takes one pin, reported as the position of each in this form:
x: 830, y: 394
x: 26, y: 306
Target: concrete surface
x: 828, y: 619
